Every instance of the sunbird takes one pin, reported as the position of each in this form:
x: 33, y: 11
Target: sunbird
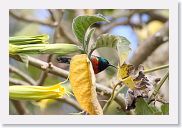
x: 99, y: 63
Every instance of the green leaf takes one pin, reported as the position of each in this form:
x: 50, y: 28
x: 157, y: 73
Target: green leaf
x: 81, y: 24
x: 142, y: 107
x: 155, y: 110
x: 114, y: 109
x: 61, y: 49
x: 165, y: 109
x: 120, y: 43
x: 23, y: 40
x: 88, y: 37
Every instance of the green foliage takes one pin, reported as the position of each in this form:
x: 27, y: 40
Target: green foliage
x: 155, y: 110
x: 81, y: 24
x: 114, y: 109
x: 165, y: 109
x: 87, y: 40
x: 120, y: 43
x: 142, y: 107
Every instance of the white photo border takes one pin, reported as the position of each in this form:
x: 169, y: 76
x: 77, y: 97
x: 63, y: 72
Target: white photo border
x: 172, y: 118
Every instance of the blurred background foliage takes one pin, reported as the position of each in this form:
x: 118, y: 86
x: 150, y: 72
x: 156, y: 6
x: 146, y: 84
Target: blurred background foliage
x: 136, y: 25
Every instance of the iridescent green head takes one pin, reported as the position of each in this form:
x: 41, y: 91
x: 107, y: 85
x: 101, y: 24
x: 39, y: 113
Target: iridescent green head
x: 103, y: 64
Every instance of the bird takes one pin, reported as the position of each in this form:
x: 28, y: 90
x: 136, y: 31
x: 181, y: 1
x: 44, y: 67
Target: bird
x: 98, y: 63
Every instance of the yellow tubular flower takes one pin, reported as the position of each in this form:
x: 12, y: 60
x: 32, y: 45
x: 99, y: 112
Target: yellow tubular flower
x: 36, y: 92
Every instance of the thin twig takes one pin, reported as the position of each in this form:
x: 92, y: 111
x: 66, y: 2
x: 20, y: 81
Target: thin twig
x: 43, y: 75
x: 157, y: 68
x: 72, y: 102
x: 31, y: 19
x: 66, y: 35
x: 51, y: 12
x: 61, y: 30
x: 158, y: 86
x: 24, y: 76
x: 17, y: 82
x: 56, y: 31
x: 114, y: 24
x: 111, y: 98
x: 119, y: 90
x: 159, y: 100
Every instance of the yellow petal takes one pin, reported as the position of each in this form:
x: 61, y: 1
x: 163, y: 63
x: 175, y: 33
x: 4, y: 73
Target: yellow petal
x: 123, y: 74
x: 129, y: 82
x: 82, y: 80
x: 123, y: 71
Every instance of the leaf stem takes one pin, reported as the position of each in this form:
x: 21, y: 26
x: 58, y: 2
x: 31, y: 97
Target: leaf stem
x: 157, y: 68
x: 90, y: 53
x: 113, y: 95
x: 156, y: 91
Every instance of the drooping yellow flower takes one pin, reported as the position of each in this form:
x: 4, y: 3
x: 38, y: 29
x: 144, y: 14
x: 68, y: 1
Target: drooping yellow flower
x: 82, y: 81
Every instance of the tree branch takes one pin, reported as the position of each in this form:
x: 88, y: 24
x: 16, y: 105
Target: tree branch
x: 51, y: 12
x: 159, y: 100
x: 157, y: 68
x: 148, y: 46
x: 157, y: 16
x: 31, y: 19
x: 72, y: 102
x: 158, y: 86
x: 17, y: 82
x: 43, y: 76
x: 19, y: 107
x: 44, y: 65
x: 67, y: 35
x: 114, y: 24
x: 24, y: 76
